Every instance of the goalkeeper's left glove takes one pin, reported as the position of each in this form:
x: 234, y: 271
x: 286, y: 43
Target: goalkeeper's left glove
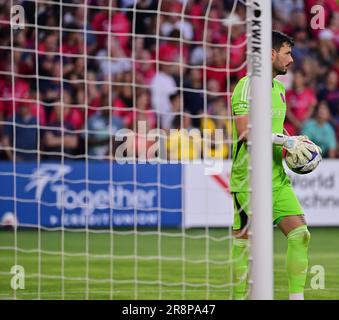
x: 295, y: 145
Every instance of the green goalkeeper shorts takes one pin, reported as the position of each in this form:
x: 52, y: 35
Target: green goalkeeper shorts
x: 285, y: 203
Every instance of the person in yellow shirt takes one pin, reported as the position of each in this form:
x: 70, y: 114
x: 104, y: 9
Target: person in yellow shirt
x: 184, y: 141
x: 217, y: 118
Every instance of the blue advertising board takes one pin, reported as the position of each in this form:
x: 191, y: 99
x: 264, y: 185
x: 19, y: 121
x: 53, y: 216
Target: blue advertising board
x: 91, y: 194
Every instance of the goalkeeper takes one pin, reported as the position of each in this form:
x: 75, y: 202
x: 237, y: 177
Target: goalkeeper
x: 287, y: 211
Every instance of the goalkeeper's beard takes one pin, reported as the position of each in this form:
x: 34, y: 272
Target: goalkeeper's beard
x: 278, y: 72
x: 279, y: 68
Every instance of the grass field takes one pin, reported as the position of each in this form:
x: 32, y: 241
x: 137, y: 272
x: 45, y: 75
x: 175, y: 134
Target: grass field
x: 203, y: 273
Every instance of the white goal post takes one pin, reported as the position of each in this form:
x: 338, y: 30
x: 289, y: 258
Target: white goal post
x: 260, y: 72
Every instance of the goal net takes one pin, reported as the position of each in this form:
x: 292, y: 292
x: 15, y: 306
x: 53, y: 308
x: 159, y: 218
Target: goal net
x: 116, y: 143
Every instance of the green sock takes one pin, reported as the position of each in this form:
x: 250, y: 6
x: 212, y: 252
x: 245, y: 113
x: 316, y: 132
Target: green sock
x: 240, y: 268
x: 297, y: 259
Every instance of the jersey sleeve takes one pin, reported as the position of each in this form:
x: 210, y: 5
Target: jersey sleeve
x: 240, y: 103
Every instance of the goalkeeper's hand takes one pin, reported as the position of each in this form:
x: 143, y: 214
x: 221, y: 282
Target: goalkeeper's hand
x: 296, y: 146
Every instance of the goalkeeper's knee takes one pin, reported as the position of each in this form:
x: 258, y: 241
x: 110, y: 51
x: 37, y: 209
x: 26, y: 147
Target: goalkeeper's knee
x: 299, y: 236
x: 297, y: 258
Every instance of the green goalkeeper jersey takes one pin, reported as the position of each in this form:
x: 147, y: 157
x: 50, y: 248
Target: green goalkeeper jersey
x: 240, y: 106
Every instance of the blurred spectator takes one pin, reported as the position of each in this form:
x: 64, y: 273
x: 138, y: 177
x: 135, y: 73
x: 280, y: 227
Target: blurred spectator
x: 123, y: 101
x: 58, y: 140
x: 145, y: 68
x: 143, y: 16
x: 29, y: 99
x: 311, y: 71
x: 330, y: 93
x: 196, y: 10
x: 48, y: 14
x: 213, y: 90
x: 72, y: 115
x: 76, y: 20
x: 334, y: 27
x: 25, y: 61
x: 117, y: 24
x: 94, y: 94
x: 21, y: 135
x: 236, y: 31
x: 326, y: 48
x: 145, y: 20
x: 49, y: 69
x: 37, y: 108
x: 213, y: 27
x: 49, y: 44
x: 172, y: 50
x: 301, y: 47
x: 176, y: 22
x: 162, y: 86
x: 217, y: 118
x: 98, y: 97
x: 297, y: 22
x: 283, y: 8
x: 145, y: 121
x: 73, y: 41
x: 183, y: 144
x: 320, y: 131
x: 301, y: 101
x: 102, y: 126
x: 194, y: 94
x: 78, y: 73
x: 335, y: 66
x: 21, y: 91
x: 116, y: 61
x: 174, y: 109
x: 217, y: 69
x: 176, y: 103
x: 144, y: 111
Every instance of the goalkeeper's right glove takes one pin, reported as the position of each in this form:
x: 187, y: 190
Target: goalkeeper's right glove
x: 295, y: 145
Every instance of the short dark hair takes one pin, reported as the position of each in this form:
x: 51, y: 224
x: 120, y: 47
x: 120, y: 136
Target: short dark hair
x: 279, y: 38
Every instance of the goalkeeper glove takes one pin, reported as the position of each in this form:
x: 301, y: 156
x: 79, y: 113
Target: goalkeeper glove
x: 296, y: 146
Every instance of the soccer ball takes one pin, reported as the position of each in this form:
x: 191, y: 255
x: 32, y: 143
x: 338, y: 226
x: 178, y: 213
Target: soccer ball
x: 304, y: 166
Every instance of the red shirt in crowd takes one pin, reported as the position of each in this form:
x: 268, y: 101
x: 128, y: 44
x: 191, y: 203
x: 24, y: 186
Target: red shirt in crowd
x: 168, y: 51
x: 218, y: 73
x: 21, y: 93
x: 122, y: 110
x: 73, y: 117
x: 300, y: 103
x: 196, y: 11
x: 119, y: 25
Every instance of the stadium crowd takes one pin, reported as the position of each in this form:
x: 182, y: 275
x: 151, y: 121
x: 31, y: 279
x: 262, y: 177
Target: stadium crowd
x: 67, y: 87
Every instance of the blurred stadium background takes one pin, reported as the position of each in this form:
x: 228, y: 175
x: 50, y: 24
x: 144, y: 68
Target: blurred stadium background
x: 81, y: 70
